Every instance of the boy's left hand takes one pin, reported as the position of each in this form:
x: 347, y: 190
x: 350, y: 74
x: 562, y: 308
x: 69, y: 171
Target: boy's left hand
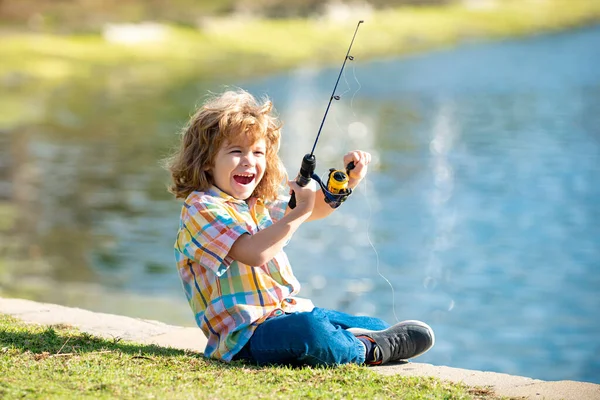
x: 361, y: 159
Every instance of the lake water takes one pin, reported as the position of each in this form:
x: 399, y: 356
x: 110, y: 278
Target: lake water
x: 480, y: 216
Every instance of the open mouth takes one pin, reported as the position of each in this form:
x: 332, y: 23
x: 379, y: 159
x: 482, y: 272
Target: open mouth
x: 243, y: 179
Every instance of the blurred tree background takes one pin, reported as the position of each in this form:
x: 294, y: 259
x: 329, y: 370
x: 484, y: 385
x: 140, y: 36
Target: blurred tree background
x: 50, y: 40
x: 91, y: 15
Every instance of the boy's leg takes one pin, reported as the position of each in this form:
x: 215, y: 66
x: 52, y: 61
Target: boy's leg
x: 303, y: 338
x: 346, y: 321
x: 385, y: 343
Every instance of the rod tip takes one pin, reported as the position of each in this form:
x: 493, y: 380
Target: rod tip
x: 361, y: 21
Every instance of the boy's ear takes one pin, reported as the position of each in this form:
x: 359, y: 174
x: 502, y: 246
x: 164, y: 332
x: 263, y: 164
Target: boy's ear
x: 207, y: 170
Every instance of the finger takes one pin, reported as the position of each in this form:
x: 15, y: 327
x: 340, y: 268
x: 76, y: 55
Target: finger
x: 348, y: 158
x: 352, y: 156
x: 360, y: 162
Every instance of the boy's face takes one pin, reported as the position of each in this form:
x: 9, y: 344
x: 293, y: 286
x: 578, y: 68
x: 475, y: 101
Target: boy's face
x: 239, y: 167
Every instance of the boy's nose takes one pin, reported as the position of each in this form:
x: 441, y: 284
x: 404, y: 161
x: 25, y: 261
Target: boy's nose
x: 248, y: 160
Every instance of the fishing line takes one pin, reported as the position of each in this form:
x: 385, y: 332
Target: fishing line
x: 364, y: 190
x: 348, y: 87
x: 377, y: 263
x: 357, y: 90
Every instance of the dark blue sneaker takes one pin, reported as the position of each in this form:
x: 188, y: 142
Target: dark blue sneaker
x: 405, y: 340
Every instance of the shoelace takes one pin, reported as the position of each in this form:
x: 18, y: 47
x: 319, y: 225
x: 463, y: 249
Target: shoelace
x: 402, y: 346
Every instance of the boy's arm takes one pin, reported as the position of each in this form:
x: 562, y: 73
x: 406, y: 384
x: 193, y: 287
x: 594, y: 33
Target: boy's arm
x: 264, y: 245
x: 361, y: 159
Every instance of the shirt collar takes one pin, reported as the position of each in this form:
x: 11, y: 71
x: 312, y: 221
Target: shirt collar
x: 215, y: 191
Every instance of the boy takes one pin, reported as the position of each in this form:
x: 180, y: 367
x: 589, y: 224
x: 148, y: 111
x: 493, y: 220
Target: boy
x: 229, y: 248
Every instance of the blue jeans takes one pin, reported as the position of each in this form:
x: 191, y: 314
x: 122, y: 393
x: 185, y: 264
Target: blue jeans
x: 318, y: 337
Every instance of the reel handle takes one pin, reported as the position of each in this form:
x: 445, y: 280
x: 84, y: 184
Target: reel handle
x: 349, y: 168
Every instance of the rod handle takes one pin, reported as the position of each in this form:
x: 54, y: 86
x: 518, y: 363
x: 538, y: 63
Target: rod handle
x: 307, y: 168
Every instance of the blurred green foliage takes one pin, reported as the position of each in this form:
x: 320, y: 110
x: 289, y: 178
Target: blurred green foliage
x: 200, y: 42
x: 90, y: 15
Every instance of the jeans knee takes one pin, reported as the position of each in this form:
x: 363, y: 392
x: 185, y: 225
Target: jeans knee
x: 323, y: 343
x: 314, y: 326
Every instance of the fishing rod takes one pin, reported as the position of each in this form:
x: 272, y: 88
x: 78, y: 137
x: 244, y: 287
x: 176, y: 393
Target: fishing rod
x: 336, y: 190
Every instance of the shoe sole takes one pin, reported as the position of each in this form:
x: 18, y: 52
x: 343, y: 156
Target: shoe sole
x: 413, y: 322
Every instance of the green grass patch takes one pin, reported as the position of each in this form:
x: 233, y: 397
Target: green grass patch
x: 61, y: 362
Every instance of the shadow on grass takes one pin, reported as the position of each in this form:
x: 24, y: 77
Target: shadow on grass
x: 56, y: 339
x: 62, y: 340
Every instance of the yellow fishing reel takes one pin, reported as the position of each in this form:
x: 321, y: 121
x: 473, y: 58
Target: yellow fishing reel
x: 337, y: 190
x: 337, y: 183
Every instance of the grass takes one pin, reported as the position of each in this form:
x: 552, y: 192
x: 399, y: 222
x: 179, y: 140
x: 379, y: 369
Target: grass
x: 61, y: 362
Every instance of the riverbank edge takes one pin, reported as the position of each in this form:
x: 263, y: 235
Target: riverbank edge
x: 155, y: 332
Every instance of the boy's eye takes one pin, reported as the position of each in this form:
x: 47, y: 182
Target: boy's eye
x: 259, y: 153
x: 235, y: 151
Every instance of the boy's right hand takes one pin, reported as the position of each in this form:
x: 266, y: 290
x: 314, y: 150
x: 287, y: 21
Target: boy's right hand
x: 305, y: 196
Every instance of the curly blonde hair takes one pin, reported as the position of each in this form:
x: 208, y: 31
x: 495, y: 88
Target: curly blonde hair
x: 228, y: 117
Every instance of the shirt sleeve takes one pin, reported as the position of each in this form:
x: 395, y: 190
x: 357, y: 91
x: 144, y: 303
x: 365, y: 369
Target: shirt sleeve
x: 206, y: 233
x: 277, y: 208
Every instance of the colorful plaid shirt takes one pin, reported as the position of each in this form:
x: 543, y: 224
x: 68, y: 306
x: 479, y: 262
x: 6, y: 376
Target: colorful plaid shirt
x: 229, y: 299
